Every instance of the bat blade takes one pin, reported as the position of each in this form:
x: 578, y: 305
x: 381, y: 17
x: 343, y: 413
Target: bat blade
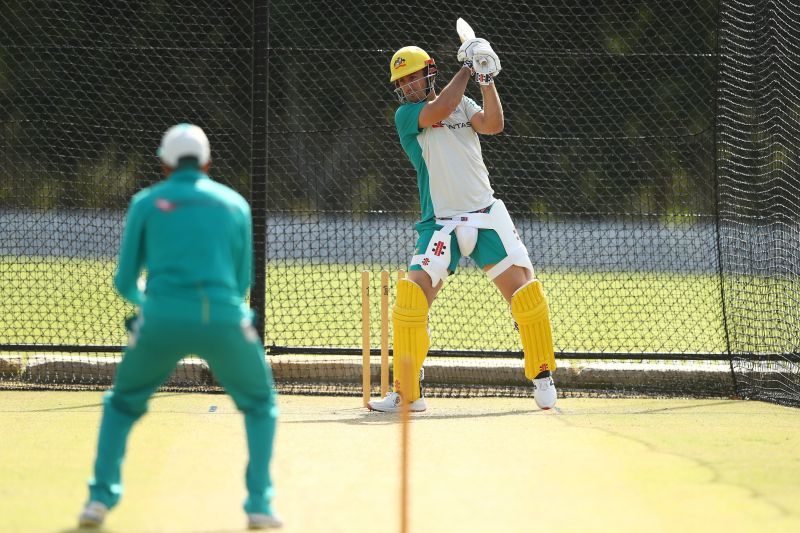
x: 464, y: 30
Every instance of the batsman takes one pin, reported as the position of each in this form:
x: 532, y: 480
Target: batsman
x: 460, y: 216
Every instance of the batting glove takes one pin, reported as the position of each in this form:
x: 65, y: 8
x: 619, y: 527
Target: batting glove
x: 485, y: 61
x: 467, y: 48
x: 484, y: 79
x: 468, y: 63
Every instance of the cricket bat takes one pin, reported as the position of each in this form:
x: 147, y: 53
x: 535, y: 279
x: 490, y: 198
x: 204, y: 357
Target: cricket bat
x: 465, y: 32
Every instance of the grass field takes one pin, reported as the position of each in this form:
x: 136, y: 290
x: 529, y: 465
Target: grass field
x: 69, y: 301
x: 476, y: 465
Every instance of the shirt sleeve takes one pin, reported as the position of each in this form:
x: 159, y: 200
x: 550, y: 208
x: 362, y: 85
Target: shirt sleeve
x: 470, y: 107
x: 406, y: 119
x: 131, y: 255
x: 244, y: 274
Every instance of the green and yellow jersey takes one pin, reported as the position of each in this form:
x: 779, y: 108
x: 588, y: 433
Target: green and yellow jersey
x: 451, y: 175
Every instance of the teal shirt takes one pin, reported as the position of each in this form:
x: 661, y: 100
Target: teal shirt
x: 194, y: 238
x: 406, y: 120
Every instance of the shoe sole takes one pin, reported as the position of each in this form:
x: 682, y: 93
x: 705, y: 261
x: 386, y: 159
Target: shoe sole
x: 271, y: 524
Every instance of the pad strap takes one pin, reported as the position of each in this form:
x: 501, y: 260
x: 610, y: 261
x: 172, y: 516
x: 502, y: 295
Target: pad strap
x: 517, y: 257
x: 436, y: 259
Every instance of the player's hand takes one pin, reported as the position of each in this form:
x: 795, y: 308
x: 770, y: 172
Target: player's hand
x: 129, y: 320
x: 485, y: 60
x: 486, y: 64
x: 467, y: 48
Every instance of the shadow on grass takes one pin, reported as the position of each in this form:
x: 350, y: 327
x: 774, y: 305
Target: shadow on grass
x: 105, y: 528
x: 367, y: 418
x: 84, y: 406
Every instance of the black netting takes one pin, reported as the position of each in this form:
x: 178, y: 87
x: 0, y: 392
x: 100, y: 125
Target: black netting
x: 88, y: 88
x: 606, y: 164
x: 757, y: 155
x: 647, y: 161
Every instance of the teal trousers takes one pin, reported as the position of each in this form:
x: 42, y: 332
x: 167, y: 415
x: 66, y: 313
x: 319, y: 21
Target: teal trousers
x: 236, y: 358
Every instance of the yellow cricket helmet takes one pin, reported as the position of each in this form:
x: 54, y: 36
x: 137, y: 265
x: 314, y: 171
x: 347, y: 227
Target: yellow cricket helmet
x: 407, y: 60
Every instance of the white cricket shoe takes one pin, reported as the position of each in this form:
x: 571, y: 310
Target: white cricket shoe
x: 263, y: 521
x: 544, y: 392
x: 92, y: 515
x: 392, y: 403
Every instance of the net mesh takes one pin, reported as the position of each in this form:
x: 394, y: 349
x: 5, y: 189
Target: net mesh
x: 759, y: 194
x: 88, y: 89
x: 607, y: 164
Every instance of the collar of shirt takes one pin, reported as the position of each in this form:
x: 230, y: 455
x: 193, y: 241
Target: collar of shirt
x: 187, y: 174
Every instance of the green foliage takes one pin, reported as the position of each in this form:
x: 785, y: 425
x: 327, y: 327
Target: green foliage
x: 364, y: 199
x: 47, y: 193
x: 106, y: 181
x: 613, y: 87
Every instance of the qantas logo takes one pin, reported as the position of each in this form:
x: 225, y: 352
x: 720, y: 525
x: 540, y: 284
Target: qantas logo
x: 456, y: 126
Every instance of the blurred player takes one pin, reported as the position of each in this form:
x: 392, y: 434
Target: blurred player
x: 439, y: 133
x: 193, y: 236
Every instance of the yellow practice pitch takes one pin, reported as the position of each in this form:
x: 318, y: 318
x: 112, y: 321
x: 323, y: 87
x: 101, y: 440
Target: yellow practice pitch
x: 478, y: 465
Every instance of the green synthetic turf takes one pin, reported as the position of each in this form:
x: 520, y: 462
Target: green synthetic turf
x: 477, y: 465
x: 68, y: 301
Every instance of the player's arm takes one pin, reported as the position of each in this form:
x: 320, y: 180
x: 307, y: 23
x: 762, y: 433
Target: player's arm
x: 486, y: 64
x: 131, y: 256
x: 244, y: 274
x: 446, y: 101
x: 490, y: 120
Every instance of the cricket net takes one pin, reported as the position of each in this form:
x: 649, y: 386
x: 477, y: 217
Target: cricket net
x: 637, y: 160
